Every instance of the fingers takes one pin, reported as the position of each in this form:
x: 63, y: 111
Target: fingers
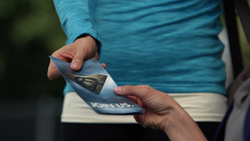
x: 53, y: 72
x: 77, y: 61
x: 104, y: 65
x: 86, y: 48
x: 135, y: 94
x: 141, y: 91
x: 82, y: 49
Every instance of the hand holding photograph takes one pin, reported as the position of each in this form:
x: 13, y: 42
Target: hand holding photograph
x: 96, y: 87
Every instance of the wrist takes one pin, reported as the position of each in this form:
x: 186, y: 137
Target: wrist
x: 180, y: 126
x: 173, y: 119
x: 94, y: 40
x: 88, y: 38
x: 90, y: 44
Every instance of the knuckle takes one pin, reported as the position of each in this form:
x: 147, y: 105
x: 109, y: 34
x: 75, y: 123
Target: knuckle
x: 54, y: 54
x: 147, y: 86
x: 77, y: 59
x: 144, y: 86
x: 128, y: 87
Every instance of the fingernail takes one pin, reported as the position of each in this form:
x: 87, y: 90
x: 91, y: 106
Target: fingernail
x: 75, y: 65
x: 117, y: 89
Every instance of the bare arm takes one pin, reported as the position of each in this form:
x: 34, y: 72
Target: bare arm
x: 162, y: 112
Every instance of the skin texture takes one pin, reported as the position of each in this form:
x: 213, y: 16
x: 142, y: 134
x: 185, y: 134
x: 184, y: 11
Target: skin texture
x: 162, y: 113
x: 76, y: 53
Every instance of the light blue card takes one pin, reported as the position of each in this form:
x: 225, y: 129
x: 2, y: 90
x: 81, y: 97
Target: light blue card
x: 96, y: 87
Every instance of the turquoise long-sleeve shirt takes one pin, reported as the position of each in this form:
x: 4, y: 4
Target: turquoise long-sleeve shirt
x: 171, y: 45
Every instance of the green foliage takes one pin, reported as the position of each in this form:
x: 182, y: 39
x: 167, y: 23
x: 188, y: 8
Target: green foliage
x: 30, y: 31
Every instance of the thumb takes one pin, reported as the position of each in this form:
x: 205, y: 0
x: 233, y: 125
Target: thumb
x: 140, y: 91
x: 78, y: 59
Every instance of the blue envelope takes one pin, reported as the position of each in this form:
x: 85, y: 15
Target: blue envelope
x: 96, y: 87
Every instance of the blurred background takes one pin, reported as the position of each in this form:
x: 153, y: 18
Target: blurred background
x: 30, y: 104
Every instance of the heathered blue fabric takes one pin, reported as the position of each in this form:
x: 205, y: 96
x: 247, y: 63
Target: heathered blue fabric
x: 171, y: 45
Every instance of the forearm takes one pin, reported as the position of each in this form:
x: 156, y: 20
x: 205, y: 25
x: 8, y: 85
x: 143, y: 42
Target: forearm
x: 179, y: 126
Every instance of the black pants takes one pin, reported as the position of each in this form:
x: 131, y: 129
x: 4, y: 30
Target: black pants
x: 123, y: 132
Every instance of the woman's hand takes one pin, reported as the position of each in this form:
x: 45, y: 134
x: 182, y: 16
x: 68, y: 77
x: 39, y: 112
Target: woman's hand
x: 162, y: 112
x: 82, y: 49
x: 157, y: 104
